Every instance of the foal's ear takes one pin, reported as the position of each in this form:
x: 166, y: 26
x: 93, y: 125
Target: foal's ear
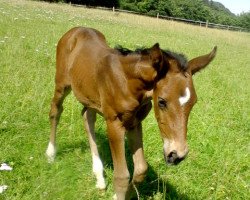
x: 196, y: 64
x: 156, y: 54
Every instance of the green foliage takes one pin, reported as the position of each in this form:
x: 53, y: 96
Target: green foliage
x: 245, y: 20
x: 199, y: 10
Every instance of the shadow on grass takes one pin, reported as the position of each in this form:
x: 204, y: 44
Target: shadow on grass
x: 153, y: 187
x: 66, y: 148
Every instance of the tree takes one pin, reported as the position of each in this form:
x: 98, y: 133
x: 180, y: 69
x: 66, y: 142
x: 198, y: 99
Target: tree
x: 244, y: 20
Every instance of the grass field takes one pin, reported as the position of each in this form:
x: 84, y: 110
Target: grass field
x: 217, y: 166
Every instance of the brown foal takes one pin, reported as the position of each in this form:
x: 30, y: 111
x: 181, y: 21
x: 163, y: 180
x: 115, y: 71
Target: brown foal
x: 119, y: 84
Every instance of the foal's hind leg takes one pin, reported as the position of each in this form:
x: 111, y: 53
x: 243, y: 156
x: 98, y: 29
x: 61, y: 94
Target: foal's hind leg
x: 89, y: 116
x: 140, y: 165
x: 55, y: 113
x: 136, y: 146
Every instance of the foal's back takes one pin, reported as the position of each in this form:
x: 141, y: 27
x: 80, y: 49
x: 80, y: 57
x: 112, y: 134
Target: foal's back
x: 78, y: 54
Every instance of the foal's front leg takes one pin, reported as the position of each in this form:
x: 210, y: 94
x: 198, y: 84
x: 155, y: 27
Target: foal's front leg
x: 116, y: 134
x: 89, y: 116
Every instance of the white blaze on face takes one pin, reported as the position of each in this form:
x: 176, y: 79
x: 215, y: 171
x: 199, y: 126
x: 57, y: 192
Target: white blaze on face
x: 184, y: 99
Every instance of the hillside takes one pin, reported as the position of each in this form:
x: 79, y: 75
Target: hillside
x: 205, y: 10
x: 217, y: 6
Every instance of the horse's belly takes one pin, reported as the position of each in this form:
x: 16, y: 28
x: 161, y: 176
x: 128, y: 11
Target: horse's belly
x: 86, y: 99
x: 84, y: 86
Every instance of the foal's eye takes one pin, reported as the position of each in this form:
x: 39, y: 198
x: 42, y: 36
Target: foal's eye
x: 162, y: 103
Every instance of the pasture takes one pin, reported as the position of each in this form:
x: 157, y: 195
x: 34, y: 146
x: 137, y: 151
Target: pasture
x: 217, y: 166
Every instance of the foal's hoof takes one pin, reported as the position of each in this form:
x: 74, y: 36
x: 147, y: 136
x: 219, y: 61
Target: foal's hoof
x: 49, y: 158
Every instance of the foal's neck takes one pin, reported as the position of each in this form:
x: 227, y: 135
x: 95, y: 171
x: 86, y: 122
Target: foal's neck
x: 140, y: 76
x: 137, y: 68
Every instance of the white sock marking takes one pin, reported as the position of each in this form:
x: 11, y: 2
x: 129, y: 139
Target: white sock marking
x: 184, y: 99
x: 51, y: 152
x: 114, y: 197
x: 98, y: 171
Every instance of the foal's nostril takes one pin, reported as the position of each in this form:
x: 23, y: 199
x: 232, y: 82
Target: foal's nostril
x: 173, y: 158
x: 173, y: 154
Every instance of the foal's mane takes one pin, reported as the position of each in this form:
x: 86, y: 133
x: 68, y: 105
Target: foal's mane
x: 125, y: 51
x: 181, y: 59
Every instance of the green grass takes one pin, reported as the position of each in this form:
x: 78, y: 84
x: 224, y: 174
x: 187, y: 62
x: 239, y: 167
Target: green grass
x: 219, y: 127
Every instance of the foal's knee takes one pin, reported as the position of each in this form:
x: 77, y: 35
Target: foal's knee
x: 121, y: 182
x: 140, y: 173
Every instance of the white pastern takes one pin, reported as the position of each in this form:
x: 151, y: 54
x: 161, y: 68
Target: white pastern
x: 184, y: 99
x: 98, y: 171
x: 114, y: 197
x: 51, y: 152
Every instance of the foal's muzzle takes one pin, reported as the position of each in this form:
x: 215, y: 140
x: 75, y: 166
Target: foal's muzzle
x: 173, y: 159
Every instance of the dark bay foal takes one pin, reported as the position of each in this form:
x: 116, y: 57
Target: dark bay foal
x: 119, y: 85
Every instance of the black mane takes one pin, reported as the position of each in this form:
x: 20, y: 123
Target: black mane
x: 182, y: 60
x: 125, y: 51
